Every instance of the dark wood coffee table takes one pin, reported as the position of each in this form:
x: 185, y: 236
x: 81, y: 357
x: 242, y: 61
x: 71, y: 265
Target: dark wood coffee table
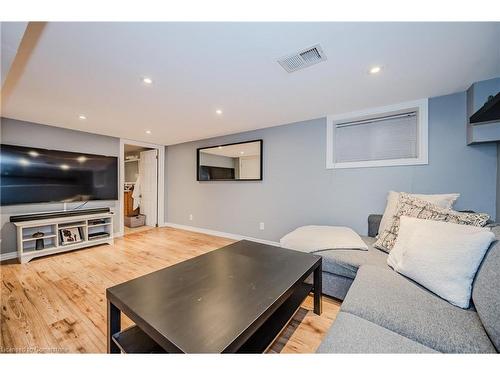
x: 234, y: 299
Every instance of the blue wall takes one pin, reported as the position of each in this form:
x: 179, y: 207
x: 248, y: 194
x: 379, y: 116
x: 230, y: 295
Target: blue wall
x: 471, y: 170
x: 297, y: 188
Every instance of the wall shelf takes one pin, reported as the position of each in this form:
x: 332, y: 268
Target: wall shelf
x: 86, y: 224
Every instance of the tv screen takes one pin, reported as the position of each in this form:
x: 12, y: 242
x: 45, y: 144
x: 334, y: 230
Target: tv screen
x: 34, y: 175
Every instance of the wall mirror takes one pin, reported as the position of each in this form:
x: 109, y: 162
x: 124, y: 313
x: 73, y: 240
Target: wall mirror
x: 230, y: 162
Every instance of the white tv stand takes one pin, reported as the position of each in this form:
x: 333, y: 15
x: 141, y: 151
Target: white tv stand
x: 88, y: 225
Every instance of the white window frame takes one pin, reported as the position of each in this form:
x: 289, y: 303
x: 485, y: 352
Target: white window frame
x: 420, y: 106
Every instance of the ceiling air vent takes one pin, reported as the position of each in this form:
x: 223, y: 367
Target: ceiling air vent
x: 303, y: 59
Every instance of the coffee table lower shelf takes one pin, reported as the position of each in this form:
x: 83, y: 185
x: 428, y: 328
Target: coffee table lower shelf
x: 135, y: 340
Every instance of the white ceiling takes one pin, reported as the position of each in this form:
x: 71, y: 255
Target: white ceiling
x: 11, y: 35
x: 235, y: 151
x: 96, y: 68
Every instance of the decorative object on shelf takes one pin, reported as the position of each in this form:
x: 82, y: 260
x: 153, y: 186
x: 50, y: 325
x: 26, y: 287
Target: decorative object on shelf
x: 97, y: 221
x: 98, y: 235
x: 70, y: 235
x: 39, y: 242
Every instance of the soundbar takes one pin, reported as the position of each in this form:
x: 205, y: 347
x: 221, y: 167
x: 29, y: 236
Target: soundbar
x: 55, y: 214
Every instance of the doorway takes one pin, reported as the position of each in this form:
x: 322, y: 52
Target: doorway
x: 142, y: 186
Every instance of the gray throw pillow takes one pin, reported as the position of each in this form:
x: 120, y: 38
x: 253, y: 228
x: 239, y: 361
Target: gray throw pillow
x: 414, y: 207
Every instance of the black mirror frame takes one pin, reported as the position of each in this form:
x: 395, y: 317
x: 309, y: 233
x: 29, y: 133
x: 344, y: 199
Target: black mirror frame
x: 198, y: 150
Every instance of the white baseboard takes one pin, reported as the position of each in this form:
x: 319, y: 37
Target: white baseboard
x: 7, y: 256
x: 221, y: 234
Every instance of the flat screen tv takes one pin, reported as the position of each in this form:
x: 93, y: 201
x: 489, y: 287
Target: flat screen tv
x: 35, y: 175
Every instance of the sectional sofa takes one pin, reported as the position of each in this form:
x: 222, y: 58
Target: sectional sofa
x: 384, y: 312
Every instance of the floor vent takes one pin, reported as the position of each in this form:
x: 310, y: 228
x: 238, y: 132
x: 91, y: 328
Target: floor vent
x: 303, y: 59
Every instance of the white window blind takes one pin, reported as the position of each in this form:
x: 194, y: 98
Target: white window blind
x: 382, y: 138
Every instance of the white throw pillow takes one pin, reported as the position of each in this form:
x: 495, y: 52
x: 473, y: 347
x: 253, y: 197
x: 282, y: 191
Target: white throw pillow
x: 312, y: 238
x: 441, y: 256
x: 441, y: 200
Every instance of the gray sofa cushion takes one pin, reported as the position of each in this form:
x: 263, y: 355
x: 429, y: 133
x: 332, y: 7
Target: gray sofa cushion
x: 374, y: 224
x: 335, y: 285
x: 352, y: 334
x: 486, y: 291
x: 346, y: 262
x: 390, y: 300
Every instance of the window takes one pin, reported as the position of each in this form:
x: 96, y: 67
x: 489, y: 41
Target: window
x: 387, y: 136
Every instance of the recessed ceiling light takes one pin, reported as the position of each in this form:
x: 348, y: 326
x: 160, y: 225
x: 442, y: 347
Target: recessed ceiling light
x: 82, y: 117
x: 219, y: 111
x: 242, y: 152
x: 220, y: 147
x: 33, y: 153
x: 375, y: 69
x: 64, y: 167
x: 24, y: 162
x: 148, y: 131
x: 147, y: 80
x: 81, y: 159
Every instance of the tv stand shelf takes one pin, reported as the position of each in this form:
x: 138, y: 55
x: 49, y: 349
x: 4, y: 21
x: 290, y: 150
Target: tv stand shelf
x: 91, y: 229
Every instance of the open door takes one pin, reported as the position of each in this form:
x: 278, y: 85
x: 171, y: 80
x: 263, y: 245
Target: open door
x: 148, y: 174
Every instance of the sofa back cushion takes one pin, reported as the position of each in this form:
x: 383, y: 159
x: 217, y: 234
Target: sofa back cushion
x: 418, y: 208
x: 374, y: 224
x: 486, y: 290
x: 442, y: 257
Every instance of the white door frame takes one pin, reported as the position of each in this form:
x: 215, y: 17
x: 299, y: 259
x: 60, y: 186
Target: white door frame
x: 161, y: 181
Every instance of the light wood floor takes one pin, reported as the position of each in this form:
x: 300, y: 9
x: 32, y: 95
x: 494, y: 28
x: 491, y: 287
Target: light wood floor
x: 57, y: 303
x: 128, y: 230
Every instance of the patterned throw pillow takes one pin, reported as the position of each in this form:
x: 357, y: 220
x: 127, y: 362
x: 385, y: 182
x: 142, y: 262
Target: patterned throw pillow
x: 414, y: 207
